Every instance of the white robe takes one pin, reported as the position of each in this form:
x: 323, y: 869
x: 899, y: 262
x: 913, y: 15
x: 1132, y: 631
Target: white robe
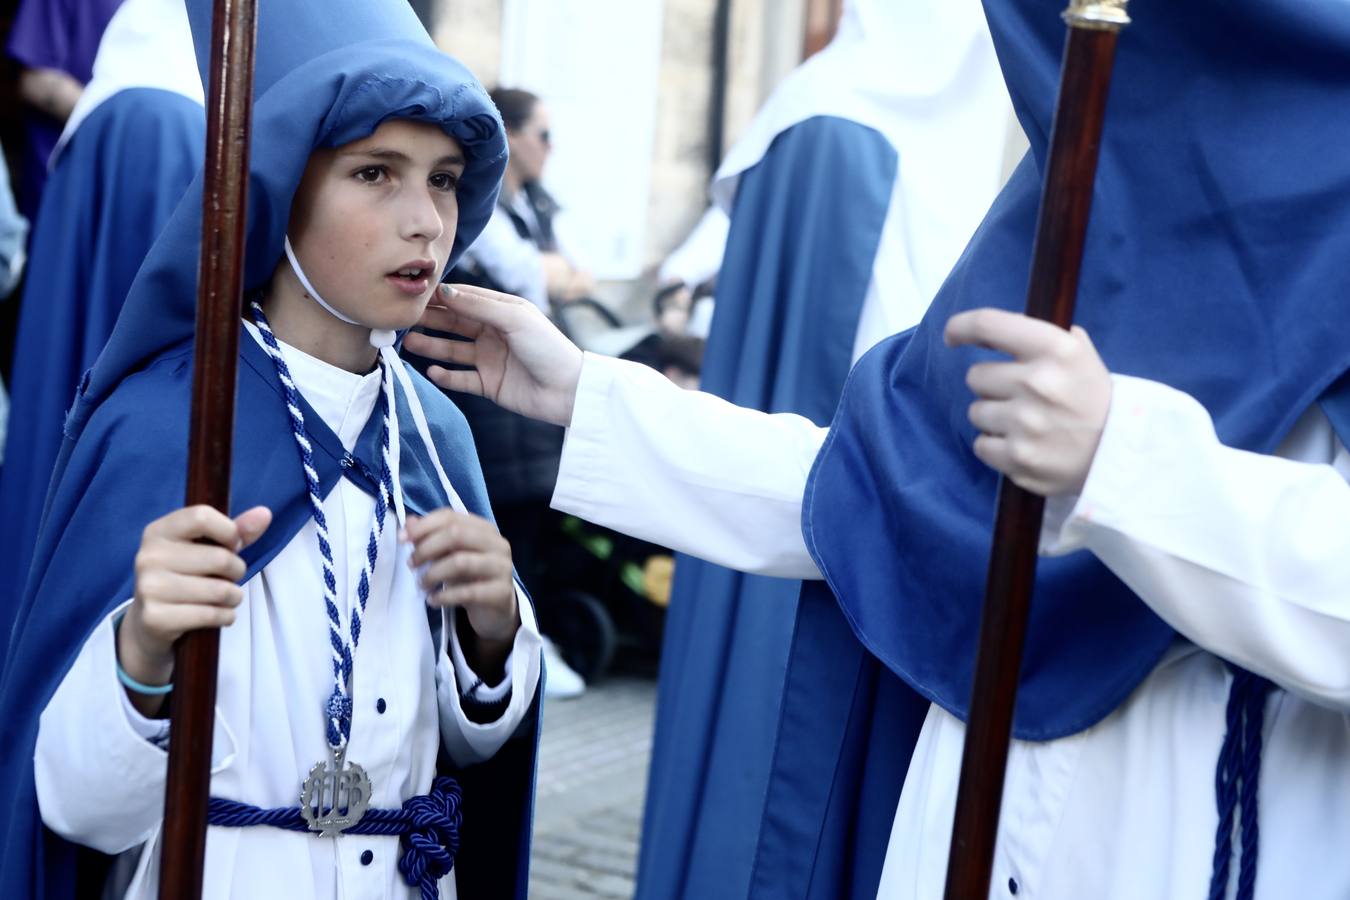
x: 100, y: 766
x: 1247, y: 556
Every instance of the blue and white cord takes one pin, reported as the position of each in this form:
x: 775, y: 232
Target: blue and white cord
x: 339, y: 710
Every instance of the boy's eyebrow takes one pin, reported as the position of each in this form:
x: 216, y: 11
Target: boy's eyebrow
x: 450, y: 159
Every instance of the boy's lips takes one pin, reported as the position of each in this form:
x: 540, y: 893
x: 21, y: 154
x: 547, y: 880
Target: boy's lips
x: 413, y: 287
x: 413, y: 278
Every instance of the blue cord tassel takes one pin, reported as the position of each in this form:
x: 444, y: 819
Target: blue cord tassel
x: 1236, y: 780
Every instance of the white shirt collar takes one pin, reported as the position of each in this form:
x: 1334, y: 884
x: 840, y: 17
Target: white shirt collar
x: 343, y: 399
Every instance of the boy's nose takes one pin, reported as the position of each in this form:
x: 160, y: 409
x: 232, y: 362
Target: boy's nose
x: 422, y: 218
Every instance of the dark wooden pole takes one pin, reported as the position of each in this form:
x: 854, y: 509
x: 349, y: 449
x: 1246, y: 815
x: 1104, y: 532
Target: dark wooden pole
x: 1057, y: 258
x: 220, y: 276
x: 717, y: 101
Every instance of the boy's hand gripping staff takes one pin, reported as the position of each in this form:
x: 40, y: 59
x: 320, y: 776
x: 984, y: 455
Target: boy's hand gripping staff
x: 220, y: 277
x: 1057, y: 257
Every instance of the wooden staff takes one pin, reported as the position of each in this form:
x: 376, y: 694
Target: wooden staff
x: 220, y: 276
x: 1057, y: 257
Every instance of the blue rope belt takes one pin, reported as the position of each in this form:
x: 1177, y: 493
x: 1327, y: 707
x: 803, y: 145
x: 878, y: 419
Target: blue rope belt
x: 428, y: 826
x: 1235, y: 782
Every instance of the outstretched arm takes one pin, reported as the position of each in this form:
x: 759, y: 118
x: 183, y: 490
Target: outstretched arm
x: 678, y: 468
x: 688, y: 470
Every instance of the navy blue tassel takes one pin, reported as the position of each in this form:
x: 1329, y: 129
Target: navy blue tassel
x: 1235, y: 784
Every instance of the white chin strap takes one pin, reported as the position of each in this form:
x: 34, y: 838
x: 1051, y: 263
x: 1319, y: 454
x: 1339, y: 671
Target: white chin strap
x: 379, y: 338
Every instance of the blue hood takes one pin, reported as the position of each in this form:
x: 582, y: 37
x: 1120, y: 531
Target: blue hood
x: 1215, y: 263
x: 328, y: 73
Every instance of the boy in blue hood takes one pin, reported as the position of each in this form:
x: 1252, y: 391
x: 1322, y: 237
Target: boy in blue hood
x: 375, y: 640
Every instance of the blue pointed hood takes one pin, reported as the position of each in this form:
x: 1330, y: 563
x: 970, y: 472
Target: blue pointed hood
x: 294, y: 32
x: 1214, y: 263
x: 328, y: 72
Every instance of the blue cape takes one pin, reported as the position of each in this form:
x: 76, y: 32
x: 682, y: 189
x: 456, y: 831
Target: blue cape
x: 804, y: 235
x: 1234, y: 289
x: 328, y: 73
x: 128, y: 468
x: 52, y: 35
x: 113, y: 189
x: 1215, y: 263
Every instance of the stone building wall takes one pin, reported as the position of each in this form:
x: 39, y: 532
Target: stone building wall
x: 472, y: 31
x: 765, y: 43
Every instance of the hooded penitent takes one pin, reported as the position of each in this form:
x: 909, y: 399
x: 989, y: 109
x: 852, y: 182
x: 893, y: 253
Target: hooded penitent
x: 52, y: 35
x: 128, y: 152
x: 328, y: 72
x: 1215, y: 263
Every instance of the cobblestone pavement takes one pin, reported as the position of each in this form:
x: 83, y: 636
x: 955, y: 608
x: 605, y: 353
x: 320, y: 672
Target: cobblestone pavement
x: 592, y: 778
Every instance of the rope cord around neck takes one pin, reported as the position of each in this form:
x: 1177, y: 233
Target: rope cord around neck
x: 339, y: 710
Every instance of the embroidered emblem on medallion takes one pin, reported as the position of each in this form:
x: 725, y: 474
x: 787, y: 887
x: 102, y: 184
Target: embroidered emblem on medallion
x: 335, y: 795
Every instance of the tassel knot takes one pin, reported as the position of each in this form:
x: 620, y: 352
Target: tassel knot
x: 432, y: 836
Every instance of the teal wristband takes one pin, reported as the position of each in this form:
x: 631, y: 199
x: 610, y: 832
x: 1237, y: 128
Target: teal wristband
x: 131, y: 684
x: 149, y: 690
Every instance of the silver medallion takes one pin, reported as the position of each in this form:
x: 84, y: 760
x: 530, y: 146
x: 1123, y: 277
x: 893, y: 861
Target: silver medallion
x: 335, y: 795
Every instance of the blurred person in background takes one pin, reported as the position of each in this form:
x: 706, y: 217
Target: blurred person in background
x: 679, y: 357
x: 684, y: 309
x: 673, y: 348
x: 519, y: 252
x: 129, y: 150
x: 54, y: 43
x: 13, y: 239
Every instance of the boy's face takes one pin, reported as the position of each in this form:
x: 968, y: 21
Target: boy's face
x: 373, y: 221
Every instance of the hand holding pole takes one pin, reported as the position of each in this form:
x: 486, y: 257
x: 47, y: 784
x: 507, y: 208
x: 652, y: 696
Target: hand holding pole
x: 220, y: 278
x: 1057, y: 258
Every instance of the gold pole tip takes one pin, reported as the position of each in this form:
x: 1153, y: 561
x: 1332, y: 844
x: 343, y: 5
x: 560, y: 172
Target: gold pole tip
x: 1099, y: 15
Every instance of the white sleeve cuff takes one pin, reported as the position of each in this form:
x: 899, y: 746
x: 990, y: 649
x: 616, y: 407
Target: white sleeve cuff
x: 687, y: 470
x: 1121, y: 455
x: 156, y: 731
x: 100, y: 778
x: 469, y: 683
x: 471, y: 742
x: 584, y: 440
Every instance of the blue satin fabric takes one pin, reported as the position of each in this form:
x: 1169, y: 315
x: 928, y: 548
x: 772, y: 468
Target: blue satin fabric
x: 1215, y: 263
x: 113, y: 189
x: 804, y: 235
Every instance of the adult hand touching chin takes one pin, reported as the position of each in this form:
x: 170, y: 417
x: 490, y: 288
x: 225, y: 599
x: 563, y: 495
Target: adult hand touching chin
x: 1041, y: 414
x: 520, y: 360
